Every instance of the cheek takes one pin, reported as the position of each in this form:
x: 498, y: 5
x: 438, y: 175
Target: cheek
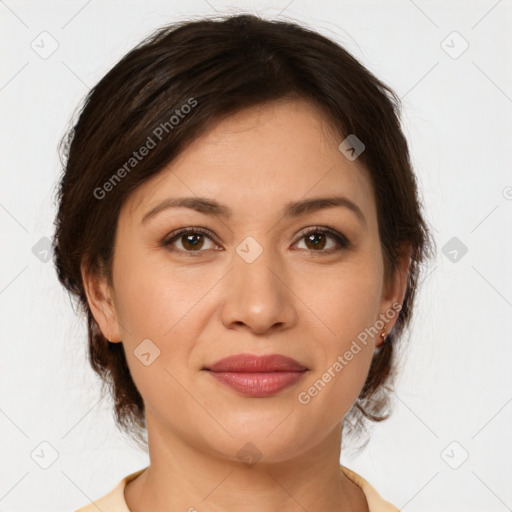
x: 139, y: 298
x: 152, y: 296
x: 339, y: 374
x: 151, y: 305
x: 349, y: 308
x: 165, y: 304
x: 351, y: 301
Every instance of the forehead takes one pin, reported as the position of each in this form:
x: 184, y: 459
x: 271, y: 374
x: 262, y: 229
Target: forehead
x: 258, y: 159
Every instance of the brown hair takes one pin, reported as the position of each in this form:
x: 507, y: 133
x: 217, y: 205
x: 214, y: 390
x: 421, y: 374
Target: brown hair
x: 222, y: 66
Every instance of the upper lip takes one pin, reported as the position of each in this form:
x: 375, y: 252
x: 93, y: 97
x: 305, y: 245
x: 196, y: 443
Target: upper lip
x: 254, y: 363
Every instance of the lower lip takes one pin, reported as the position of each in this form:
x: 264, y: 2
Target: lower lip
x: 258, y: 385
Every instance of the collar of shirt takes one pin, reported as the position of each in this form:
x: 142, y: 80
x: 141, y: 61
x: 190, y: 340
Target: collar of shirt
x: 114, y: 501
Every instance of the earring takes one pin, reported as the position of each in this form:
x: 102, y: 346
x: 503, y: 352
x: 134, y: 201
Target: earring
x: 382, y: 338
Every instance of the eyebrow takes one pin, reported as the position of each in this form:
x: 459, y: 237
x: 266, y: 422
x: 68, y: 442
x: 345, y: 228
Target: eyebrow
x: 292, y: 209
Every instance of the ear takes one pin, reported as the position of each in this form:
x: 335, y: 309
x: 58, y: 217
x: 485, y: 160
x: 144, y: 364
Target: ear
x: 99, y: 296
x: 394, y: 290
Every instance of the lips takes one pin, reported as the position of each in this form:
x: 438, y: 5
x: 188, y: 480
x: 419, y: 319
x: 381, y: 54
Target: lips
x: 257, y: 376
x: 249, y: 363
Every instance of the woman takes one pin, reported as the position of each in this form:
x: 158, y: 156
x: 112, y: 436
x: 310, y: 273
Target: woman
x: 240, y: 222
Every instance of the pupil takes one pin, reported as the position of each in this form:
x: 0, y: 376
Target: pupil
x: 192, y: 241
x: 318, y: 243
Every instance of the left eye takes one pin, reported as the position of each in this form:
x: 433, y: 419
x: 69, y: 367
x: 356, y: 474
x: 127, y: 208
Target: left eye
x: 316, y: 240
x: 193, y: 240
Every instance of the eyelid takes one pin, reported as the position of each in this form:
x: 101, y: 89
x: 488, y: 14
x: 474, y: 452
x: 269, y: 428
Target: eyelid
x: 322, y: 229
x: 174, y: 235
x: 343, y: 241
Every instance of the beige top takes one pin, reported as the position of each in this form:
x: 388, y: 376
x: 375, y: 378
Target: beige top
x: 114, y: 501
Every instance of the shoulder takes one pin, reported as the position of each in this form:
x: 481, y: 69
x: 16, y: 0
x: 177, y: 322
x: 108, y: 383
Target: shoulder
x: 114, y: 500
x: 375, y: 502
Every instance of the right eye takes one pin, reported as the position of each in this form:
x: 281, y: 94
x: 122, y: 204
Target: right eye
x: 191, y: 239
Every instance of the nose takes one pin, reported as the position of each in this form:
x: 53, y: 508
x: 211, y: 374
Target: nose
x: 257, y: 296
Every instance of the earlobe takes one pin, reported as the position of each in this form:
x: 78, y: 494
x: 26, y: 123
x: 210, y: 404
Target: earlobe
x: 99, y: 297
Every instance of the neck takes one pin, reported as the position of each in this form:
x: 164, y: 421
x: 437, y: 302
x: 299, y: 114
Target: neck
x: 190, y: 477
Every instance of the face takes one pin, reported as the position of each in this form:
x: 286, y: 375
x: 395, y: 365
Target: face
x: 263, y: 271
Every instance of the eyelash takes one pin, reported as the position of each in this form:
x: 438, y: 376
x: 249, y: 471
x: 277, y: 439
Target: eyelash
x: 343, y: 242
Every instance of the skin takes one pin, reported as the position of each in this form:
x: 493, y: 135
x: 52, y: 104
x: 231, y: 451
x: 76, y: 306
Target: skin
x: 294, y: 299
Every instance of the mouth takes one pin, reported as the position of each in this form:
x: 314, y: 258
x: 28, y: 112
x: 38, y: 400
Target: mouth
x: 257, y: 376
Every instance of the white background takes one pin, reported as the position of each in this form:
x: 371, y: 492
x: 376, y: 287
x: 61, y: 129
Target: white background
x: 456, y: 379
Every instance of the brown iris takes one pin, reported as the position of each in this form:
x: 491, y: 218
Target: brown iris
x: 317, y: 240
x: 192, y: 241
